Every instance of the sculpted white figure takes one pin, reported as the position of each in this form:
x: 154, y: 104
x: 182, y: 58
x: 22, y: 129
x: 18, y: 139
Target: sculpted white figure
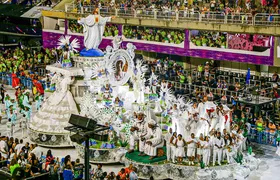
x: 94, y: 26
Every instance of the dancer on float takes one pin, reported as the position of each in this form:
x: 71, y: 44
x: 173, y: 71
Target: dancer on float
x: 192, y: 122
x: 180, y: 148
x: 153, y: 139
x: 224, y: 115
x: 167, y: 138
x: 173, y: 146
x: 138, y: 130
x: 218, y: 144
x: 191, y: 141
x: 199, y: 150
x: 206, y: 146
x: 226, y: 148
x: 174, y: 113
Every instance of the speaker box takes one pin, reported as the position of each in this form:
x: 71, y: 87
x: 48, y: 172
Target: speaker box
x: 99, y: 137
x: 82, y: 122
x: 77, y: 138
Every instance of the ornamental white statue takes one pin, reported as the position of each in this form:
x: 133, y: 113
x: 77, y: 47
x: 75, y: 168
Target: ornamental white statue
x: 93, y: 29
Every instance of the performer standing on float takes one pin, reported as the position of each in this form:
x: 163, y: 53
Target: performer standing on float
x: 173, y: 146
x: 206, y: 145
x: 191, y: 141
x: 174, y: 112
x: 167, y: 138
x: 138, y: 130
x: 192, y: 121
x: 153, y: 139
x: 218, y: 144
x: 209, y: 104
x: 224, y: 115
x: 206, y: 121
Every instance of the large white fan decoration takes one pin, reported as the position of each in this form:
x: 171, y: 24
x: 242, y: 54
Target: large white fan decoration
x: 65, y: 40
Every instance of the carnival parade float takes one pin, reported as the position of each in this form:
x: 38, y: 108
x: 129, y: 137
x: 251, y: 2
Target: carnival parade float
x: 141, y: 117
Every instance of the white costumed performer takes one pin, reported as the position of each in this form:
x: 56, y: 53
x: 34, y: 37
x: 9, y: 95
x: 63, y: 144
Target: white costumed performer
x: 167, y: 138
x: 153, y: 139
x: 139, y: 129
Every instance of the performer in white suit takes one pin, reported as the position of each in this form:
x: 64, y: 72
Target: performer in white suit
x: 226, y: 147
x: 206, y: 145
x: 167, y: 138
x: 93, y: 29
x: 192, y: 121
x: 173, y: 146
x: 218, y: 144
x: 180, y: 150
x: 191, y: 141
x: 175, y: 119
x: 224, y: 115
x: 139, y: 129
x: 153, y: 139
x: 206, y: 121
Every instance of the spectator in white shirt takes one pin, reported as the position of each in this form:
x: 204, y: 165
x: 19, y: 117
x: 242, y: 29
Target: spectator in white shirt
x: 4, y: 148
x: 19, y: 147
x: 37, y: 151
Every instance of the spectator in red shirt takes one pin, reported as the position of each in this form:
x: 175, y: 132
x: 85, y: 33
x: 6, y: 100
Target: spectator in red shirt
x: 122, y: 174
x: 128, y: 170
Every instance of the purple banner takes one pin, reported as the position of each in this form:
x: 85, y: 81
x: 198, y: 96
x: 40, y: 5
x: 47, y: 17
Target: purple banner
x: 50, y: 41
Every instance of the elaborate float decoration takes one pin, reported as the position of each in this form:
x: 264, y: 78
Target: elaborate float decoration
x: 46, y: 127
x: 139, y: 117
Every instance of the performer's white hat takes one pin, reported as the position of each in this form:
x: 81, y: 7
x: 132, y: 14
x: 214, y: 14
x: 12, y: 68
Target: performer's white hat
x: 152, y: 122
x: 140, y: 113
x: 224, y: 98
x: 210, y: 97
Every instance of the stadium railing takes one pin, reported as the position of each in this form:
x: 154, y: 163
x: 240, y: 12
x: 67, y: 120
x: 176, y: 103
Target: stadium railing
x: 262, y: 137
x: 208, y: 16
x: 6, y: 79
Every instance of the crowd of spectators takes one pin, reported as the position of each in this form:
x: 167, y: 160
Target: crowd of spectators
x: 75, y: 27
x: 209, y: 38
x: 232, y: 8
x: 207, y: 75
x: 27, y: 65
x: 29, y: 159
x: 23, y: 61
x: 154, y: 34
x: 111, y: 30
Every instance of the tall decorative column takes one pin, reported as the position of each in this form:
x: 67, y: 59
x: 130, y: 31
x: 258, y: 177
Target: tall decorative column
x: 120, y: 29
x: 187, y: 41
x: 66, y: 26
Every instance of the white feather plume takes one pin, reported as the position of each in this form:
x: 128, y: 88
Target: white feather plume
x: 75, y: 45
x: 63, y: 40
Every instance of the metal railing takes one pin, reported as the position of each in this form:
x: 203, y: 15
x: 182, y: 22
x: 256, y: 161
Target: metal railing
x: 259, y: 19
x: 6, y: 78
x: 262, y: 137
